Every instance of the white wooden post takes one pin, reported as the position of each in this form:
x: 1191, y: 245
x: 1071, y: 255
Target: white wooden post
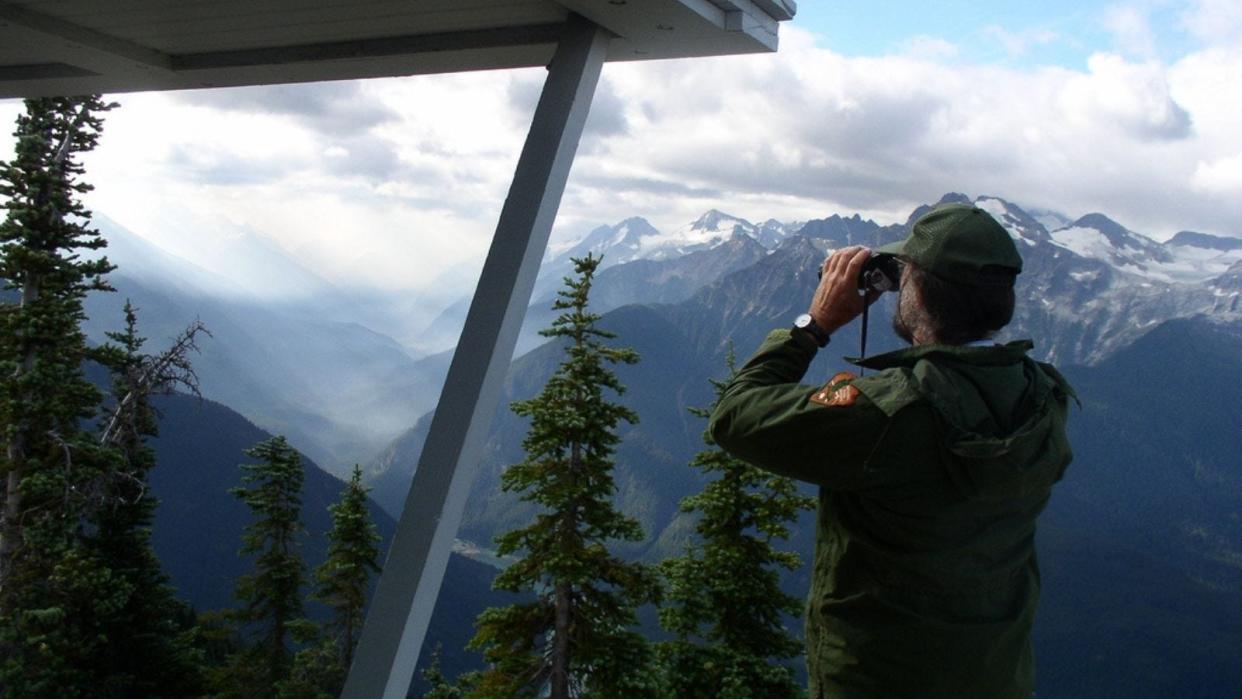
x: 401, y: 610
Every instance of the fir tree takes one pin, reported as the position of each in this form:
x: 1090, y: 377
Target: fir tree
x: 723, y: 602
x: 149, y: 652
x: 342, y: 582
x: 272, y: 595
x: 55, y: 593
x: 433, y: 675
x: 575, y: 638
x: 353, y: 555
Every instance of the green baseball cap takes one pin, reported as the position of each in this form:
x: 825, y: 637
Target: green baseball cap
x: 961, y: 243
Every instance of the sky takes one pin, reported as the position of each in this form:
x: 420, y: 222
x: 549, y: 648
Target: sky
x: 1130, y: 108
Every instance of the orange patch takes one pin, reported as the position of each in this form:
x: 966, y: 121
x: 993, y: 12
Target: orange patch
x: 837, y: 392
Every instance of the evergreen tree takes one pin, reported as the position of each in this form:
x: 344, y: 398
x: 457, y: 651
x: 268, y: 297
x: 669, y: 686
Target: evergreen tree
x: 575, y: 638
x: 723, y: 602
x: 353, y: 555
x: 342, y: 582
x: 272, y: 595
x: 54, y: 591
x: 150, y: 651
x: 441, y: 688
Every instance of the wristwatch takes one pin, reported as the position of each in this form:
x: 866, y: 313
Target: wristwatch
x: 807, y: 323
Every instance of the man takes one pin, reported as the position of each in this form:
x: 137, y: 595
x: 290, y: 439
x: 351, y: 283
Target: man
x: 931, y: 470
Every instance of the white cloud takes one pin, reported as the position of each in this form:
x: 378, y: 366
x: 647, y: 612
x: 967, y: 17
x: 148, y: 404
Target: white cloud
x: 1214, y: 21
x: 378, y: 183
x: 408, y: 180
x: 809, y: 132
x: 1220, y: 176
x: 1134, y: 97
x: 1131, y: 30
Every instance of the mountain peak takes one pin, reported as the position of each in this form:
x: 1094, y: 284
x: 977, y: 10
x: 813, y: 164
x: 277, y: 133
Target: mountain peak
x: 1116, y: 233
x: 948, y: 198
x: 1206, y: 241
x: 842, y: 231
x: 620, y: 241
x: 1021, y: 225
x: 1098, y: 236
x: 955, y: 198
x: 715, y: 217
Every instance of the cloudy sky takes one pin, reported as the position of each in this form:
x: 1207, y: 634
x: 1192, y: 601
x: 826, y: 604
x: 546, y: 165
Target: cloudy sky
x: 1133, y: 109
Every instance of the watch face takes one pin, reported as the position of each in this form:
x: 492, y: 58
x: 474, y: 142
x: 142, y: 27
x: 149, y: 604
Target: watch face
x: 807, y: 323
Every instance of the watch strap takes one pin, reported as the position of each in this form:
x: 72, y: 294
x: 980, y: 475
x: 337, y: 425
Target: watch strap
x: 807, y: 324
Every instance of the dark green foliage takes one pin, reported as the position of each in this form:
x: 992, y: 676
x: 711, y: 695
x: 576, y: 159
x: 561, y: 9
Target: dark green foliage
x: 60, y: 597
x: 441, y: 688
x: 353, y: 554
x: 271, y: 597
x: 575, y: 639
x: 316, y: 673
x: 86, y: 609
x: 48, y: 461
x: 342, y: 581
x: 149, y: 650
x: 723, y: 600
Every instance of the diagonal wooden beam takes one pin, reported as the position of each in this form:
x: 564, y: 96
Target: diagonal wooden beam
x: 401, y: 610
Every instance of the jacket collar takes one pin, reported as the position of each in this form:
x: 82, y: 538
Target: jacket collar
x: 991, y: 355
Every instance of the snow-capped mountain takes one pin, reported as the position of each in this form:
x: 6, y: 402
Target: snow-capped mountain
x: 1098, y: 237
x: 708, y: 231
x: 1021, y: 225
x: 617, y: 244
x: 1050, y: 220
x: 771, y: 232
x: 635, y: 238
x: 1187, y: 258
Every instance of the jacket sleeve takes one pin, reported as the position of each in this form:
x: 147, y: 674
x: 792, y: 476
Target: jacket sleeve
x: 765, y: 417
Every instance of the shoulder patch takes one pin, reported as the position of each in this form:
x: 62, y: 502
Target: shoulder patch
x: 837, y: 392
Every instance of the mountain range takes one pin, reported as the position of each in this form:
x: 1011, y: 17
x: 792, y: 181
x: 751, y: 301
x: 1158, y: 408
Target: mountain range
x: 1141, y: 545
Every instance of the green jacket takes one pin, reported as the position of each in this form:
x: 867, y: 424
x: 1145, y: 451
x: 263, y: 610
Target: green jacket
x: 931, y: 472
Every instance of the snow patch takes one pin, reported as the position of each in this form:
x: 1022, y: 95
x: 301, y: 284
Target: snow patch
x: 1085, y: 242
x: 1000, y: 212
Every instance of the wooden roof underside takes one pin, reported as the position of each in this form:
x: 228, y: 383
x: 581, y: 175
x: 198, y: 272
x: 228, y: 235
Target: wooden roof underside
x: 77, y: 46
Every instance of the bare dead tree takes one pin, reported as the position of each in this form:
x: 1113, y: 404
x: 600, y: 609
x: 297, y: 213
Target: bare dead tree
x: 158, y: 374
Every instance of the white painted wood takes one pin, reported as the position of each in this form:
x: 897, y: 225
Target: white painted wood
x: 50, y: 47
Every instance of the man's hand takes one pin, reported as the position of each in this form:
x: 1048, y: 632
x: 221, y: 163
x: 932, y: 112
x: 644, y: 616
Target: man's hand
x: 837, y: 300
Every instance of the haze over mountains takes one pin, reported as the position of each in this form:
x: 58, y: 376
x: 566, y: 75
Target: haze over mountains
x: 343, y: 372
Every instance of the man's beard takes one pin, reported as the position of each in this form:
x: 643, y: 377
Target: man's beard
x: 899, y: 321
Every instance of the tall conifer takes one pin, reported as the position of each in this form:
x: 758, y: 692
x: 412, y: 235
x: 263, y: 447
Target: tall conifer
x: 54, y: 592
x: 149, y: 649
x: 353, y: 555
x: 723, y: 602
x: 576, y: 638
x: 341, y: 583
x: 271, y: 597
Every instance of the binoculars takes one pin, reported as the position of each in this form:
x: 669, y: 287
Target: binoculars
x: 881, y: 272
